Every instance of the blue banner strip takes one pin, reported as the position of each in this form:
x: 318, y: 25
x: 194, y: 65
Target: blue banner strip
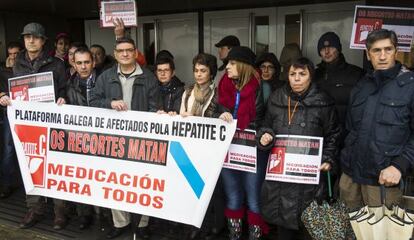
x: 187, y: 168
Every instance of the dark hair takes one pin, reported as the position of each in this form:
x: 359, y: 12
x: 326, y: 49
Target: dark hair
x: 124, y: 40
x: 165, y: 60
x: 14, y: 45
x: 83, y: 50
x: 381, y: 34
x: 207, y: 60
x: 164, y: 54
x: 304, y: 63
x: 100, y: 47
x: 77, y: 45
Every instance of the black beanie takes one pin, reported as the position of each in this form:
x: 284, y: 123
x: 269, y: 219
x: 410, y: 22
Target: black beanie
x: 242, y: 54
x: 329, y: 39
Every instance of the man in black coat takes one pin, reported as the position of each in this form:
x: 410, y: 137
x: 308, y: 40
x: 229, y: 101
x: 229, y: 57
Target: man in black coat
x: 34, y: 59
x: 379, y: 147
x: 334, y: 74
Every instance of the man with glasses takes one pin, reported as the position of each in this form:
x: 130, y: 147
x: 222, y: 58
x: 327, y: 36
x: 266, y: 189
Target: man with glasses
x: 125, y: 86
x: 379, y: 147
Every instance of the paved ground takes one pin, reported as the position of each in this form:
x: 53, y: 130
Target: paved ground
x: 13, y: 209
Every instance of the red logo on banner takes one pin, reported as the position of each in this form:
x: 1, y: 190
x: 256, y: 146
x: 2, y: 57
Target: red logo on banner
x: 20, y: 93
x: 33, y: 140
x: 364, y: 27
x: 277, y: 160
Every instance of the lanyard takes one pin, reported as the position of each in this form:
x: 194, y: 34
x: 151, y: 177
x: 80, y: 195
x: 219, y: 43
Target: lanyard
x: 290, y: 115
x: 236, y: 105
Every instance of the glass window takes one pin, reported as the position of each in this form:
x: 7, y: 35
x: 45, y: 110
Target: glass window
x: 292, y: 29
x: 262, y: 34
x: 149, y: 43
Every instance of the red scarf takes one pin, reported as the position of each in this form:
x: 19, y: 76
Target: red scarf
x: 247, y: 107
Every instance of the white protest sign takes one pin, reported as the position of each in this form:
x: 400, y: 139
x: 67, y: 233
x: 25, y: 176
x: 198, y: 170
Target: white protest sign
x: 295, y: 159
x: 140, y: 162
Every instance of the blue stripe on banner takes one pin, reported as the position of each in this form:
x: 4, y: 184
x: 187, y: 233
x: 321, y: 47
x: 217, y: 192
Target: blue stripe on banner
x: 187, y: 168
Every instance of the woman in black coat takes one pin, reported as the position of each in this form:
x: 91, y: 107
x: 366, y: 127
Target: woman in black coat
x: 300, y: 108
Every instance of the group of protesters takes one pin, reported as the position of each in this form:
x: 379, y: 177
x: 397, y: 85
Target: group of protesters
x: 365, y: 117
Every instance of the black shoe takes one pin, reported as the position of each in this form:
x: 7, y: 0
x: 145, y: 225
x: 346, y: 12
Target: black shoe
x: 85, y: 222
x: 143, y: 232
x: 115, y: 232
x: 60, y: 222
x: 30, y: 219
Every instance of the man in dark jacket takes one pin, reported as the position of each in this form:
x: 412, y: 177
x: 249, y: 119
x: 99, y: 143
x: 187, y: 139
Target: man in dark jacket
x: 125, y: 86
x: 334, y: 74
x: 379, y: 148
x: 81, y: 83
x: 34, y: 59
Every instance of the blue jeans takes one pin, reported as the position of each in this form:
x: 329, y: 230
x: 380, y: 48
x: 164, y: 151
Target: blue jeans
x: 9, y: 159
x: 240, y: 185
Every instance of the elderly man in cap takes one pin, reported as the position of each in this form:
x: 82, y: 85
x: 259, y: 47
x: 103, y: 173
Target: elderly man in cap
x: 34, y: 59
x: 224, y: 47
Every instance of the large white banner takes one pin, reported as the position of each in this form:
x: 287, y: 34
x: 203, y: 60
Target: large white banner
x: 139, y: 162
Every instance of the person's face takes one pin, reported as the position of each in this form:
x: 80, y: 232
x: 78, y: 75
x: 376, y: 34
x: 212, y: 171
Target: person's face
x: 98, y: 55
x: 71, y: 53
x: 164, y: 73
x: 12, y: 52
x: 267, y: 70
x: 329, y: 54
x: 83, y: 64
x: 125, y: 53
x: 33, y: 44
x: 382, y: 54
x: 201, y: 74
x: 299, y: 79
x: 62, y: 46
x: 231, y: 69
x: 223, y: 52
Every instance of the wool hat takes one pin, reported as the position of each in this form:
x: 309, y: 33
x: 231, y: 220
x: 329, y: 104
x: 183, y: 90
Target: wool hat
x: 229, y: 41
x: 329, y: 39
x: 242, y: 54
x: 34, y: 29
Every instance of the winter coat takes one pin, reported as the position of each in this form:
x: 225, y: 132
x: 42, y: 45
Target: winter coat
x: 44, y: 63
x: 338, y: 79
x: 380, y: 122
x: 169, y: 96
x: 283, y: 203
x: 76, y: 94
x: 108, y: 87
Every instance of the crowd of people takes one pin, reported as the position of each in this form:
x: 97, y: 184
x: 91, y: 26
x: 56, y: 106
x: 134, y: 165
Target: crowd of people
x: 365, y: 117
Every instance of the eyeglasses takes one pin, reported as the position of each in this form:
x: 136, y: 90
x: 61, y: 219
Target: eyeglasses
x: 378, y: 51
x: 163, y: 71
x: 267, y: 67
x: 127, y: 50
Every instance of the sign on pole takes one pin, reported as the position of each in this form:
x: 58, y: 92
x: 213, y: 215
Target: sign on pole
x: 369, y: 18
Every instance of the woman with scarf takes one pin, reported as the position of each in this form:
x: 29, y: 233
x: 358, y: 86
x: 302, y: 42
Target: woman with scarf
x: 197, y: 99
x: 238, y: 94
x: 299, y: 108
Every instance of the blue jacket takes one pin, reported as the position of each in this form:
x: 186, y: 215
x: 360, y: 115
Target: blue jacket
x: 380, y: 124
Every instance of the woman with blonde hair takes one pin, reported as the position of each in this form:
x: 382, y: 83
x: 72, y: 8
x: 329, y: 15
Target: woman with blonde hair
x: 238, y: 94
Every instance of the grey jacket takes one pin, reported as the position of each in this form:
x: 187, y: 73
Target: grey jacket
x: 108, y: 88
